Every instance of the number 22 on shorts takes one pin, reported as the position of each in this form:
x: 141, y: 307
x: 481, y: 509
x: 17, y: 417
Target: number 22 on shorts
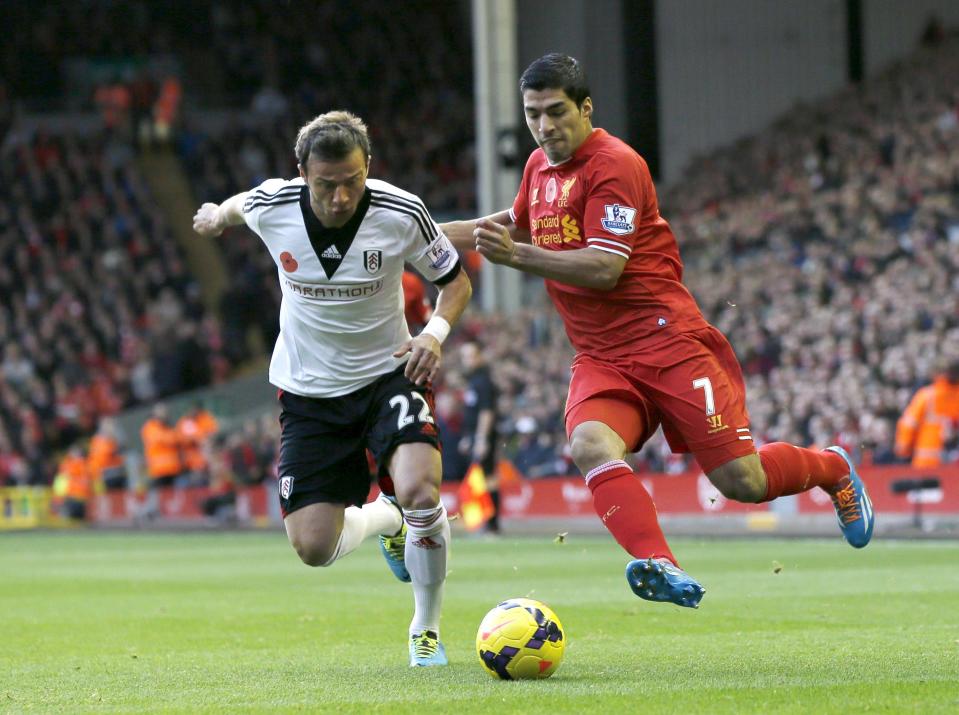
x: 405, y: 418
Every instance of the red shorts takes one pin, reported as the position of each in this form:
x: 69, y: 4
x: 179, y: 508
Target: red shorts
x: 692, y: 385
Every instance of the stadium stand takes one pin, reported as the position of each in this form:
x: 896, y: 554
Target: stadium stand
x: 801, y: 243
x: 99, y: 311
x: 825, y: 248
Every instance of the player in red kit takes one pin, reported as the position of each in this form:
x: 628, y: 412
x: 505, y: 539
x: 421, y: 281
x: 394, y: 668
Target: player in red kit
x: 586, y: 219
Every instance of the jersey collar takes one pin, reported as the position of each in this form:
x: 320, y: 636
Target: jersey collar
x: 331, y: 244
x: 579, y: 152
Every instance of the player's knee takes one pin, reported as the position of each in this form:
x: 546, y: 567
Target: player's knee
x: 590, y: 451
x: 742, y: 485
x: 312, y: 553
x: 417, y: 493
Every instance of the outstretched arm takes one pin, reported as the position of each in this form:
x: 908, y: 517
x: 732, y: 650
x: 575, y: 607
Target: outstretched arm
x: 425, y: 349
x: 461, y: 235
x: 585, y: 267
x: 211, y: 219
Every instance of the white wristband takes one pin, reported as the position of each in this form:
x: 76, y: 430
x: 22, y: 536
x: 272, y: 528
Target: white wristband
x: 438, y: 328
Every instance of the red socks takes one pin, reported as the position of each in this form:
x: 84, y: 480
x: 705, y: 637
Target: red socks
x: 629, y: 514
x: 627, y: 511
x: 791, y: 470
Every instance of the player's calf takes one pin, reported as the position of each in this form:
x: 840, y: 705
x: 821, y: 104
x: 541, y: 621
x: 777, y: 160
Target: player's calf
x: 741, y: 479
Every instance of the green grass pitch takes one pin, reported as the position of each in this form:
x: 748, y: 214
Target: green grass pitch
x: 232, y: 622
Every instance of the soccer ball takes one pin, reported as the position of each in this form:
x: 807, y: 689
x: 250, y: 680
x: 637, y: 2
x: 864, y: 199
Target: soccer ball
x: 520, y: 638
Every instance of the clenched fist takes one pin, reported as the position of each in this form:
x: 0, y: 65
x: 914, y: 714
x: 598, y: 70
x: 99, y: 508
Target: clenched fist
x: 207, y: 222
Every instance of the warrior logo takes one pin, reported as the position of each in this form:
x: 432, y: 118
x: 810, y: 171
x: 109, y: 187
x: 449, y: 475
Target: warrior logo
x: 372, y: 260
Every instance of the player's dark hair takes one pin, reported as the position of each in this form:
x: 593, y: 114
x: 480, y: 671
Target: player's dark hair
x: 557, y: 71
x: 331, y: 137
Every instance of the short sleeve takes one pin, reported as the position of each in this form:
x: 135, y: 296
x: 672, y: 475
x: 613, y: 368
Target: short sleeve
x: 438, y: 262
x: 270, y: 193
x: 614, y: 206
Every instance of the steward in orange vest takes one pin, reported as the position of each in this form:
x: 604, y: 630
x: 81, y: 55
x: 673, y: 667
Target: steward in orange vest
x: 195, y: 429
x: 105, y: 461
x: 161, y: 448
x: 931, y: 421
x: 74, y: 484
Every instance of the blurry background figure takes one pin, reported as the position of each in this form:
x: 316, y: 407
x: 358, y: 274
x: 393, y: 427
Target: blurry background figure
x: 220, y: 505
x: 105, y: 460
x: 143, y: 94
x: 417, y: 306
x: 73, y: 485
x: 161, y: 451
x: 113, y: 100
x: 167, y: 108
x: 479, y: 435
x: 194, y: 430
x: 929, y: 428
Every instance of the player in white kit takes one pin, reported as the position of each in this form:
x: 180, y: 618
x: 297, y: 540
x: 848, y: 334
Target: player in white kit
x: 349, y: 374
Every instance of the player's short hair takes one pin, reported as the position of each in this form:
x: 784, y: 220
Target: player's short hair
x: 331, y: 137
x: 557, y: 71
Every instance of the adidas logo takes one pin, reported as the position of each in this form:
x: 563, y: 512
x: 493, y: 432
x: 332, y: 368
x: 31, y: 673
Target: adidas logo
x: 331, y: 252
x: 425, y: 542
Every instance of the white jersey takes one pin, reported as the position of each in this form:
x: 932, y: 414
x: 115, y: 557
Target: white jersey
x: 341, y: 318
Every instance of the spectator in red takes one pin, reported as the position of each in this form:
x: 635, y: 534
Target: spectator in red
x: 417, y: 306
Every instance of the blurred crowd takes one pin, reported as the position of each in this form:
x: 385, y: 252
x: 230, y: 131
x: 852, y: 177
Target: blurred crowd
x: 418, y: 104
x: 826, y: 247
x: 97, y: 309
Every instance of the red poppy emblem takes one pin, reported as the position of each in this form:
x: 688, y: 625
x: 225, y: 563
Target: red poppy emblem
x: 289, y: 263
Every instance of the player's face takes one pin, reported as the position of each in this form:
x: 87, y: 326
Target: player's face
x: 556, y: 123
x: 336, y: 187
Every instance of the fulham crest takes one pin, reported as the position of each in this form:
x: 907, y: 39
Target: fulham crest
x: 286, y: 487
x: 372, y: 260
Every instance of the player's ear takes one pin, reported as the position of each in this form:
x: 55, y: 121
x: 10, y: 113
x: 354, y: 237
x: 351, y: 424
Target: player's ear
x: 302, y: 171
x: 587, y: 108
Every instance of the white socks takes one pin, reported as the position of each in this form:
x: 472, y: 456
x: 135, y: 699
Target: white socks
x: 427, y: 549
x: 359, y: 523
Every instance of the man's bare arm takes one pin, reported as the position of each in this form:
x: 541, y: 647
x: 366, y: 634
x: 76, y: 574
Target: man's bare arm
x: 586, y: 267
x: 424, y: 349
x: 461, y: 235
x: 212, y: 219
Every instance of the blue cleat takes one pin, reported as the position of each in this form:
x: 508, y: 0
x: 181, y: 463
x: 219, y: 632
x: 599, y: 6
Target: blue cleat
x: 426, y: 650
x: 394, y: 547
x: 659, y: 580
x: 853, y: 505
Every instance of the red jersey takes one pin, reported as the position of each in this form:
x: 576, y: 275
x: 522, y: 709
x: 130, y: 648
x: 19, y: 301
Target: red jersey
x: 603, y: 197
